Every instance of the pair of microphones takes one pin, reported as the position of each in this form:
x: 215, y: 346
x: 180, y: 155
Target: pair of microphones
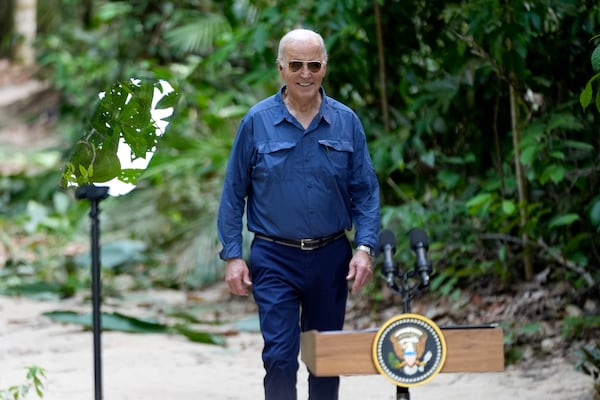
x: 419, y: 243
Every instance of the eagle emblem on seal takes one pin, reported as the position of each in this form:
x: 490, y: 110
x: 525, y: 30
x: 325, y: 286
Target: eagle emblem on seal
x: 409, y: 355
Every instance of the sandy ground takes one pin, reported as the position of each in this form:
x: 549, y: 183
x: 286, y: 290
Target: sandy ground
x: 166, y: 367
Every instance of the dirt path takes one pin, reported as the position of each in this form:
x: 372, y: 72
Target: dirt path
x: 154, y: 366
x: 28, y: 110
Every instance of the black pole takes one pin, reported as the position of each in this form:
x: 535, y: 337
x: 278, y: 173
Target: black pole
x: 96, y: 295
x: 95, y: 194
x: 402, y: 393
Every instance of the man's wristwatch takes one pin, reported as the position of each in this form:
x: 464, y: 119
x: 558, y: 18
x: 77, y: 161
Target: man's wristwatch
x: 366, y: 249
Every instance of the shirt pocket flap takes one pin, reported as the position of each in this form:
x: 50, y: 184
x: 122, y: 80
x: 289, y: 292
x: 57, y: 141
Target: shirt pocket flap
x: 339, y: 145
x: 273, y: 146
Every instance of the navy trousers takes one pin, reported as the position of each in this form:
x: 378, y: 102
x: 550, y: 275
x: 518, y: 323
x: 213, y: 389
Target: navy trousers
x: 297, y: 290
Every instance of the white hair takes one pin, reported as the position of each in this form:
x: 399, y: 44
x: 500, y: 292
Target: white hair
x: 300, y: 34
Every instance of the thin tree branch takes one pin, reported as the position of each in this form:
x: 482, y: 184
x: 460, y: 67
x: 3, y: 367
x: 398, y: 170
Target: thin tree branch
x: 553, y: 253
x: 382, y: 74
x: 568, y: 264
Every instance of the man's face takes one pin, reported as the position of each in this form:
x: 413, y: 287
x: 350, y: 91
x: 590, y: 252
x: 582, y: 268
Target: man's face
x: 299, y: 68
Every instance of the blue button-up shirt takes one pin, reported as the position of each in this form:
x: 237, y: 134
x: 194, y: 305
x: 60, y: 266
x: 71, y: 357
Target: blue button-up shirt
x: 299, y: 183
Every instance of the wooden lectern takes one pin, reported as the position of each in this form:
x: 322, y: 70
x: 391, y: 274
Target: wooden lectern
x: 469, y: 349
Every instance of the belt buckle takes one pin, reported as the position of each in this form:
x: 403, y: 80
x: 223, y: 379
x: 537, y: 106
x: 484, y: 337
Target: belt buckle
x: 304, y: 245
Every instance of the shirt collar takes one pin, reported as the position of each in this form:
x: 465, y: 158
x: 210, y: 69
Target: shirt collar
x: 325, y: 111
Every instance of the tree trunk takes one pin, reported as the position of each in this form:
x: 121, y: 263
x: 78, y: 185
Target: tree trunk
x: 25, y: 23
x: 382, y: 75
x: 521, y: 185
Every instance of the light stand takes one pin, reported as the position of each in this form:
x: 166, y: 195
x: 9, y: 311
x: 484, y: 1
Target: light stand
x: 144, y: 106
x: 95, y: 194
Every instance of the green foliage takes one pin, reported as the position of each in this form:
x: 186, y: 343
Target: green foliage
x: 38, y: 241
x: 588, y: 92
x: 198, y: 32
x: 446, y: 162
x: 516, y: 336
x: 458, y: 152
x: 577, y: 327
x: 589, y: 363
x: 35, y: 379
x: 124, y: 323
x: 125, y: 116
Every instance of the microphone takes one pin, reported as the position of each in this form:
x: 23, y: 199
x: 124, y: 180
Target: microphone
x: 387, y: 245
x: 419, y: 243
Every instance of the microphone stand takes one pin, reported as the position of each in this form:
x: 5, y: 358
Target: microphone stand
x: 95, y: 194
x: 407, y: 292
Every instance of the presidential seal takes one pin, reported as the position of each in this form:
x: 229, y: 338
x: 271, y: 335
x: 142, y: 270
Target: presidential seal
x: 409, y: 350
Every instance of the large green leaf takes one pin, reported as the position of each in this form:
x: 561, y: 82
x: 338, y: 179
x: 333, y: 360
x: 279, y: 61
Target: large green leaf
x: 564, y: 121
x: 116, y: 254
x: 509, y: 207
x: 120, y: 322
x: 585, y: 98
x: 199, y: 34
x: 595, y: 214
x: 198, y: 336
x: 563, y: 220
x: 39, y: 290
x: 110, y: 322
x: 478, y: 202
x: 553, y: 172
x: 596, y: 59
x: 577, y: 145
x: 448, y: 178
x: 529, y: 154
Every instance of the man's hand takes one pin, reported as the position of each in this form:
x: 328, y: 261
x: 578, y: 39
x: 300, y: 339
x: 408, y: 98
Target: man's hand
x: 237, y: 276
x: 361, y: 270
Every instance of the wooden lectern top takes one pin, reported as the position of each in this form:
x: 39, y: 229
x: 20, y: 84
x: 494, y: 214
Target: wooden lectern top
x: 469, y: 349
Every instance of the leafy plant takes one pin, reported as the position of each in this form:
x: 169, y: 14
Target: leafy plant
x: 124, y: 116
x: 124, y: 323
x: 35, y: 379
x: 588, y: 92
x: 574, y: 327
x: 589, y: 363
x: 517, y: 336
x: 39, y: 247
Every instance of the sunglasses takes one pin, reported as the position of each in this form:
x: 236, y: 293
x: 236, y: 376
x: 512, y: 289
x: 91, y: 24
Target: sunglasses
x: 313, y: 66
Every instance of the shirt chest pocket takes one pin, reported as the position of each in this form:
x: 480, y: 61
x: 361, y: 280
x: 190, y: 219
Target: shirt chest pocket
x: 273, y: 157
x: 338, y: 154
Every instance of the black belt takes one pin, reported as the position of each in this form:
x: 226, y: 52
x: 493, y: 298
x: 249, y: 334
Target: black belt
x: 303, y: 244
